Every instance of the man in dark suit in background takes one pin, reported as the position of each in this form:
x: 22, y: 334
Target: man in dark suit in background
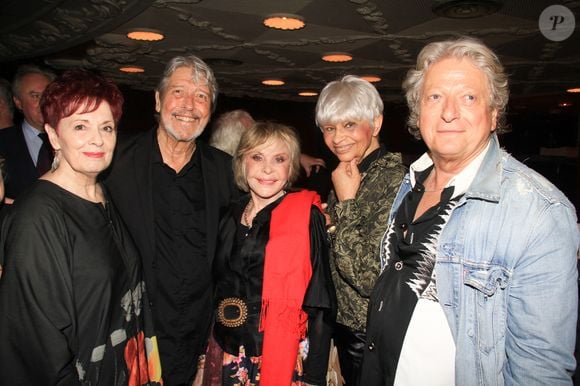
x: 25, y: 146
x: 170, y: 190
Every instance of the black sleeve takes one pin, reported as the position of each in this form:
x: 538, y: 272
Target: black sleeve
x: 319, y: 303
x: 316, y: 363
x: 320, y: 292
x: 37, y: 322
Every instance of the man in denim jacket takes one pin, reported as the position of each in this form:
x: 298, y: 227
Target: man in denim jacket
x: 479, y: 261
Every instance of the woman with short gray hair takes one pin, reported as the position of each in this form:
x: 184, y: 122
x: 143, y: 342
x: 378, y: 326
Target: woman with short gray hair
x: 349, y: 112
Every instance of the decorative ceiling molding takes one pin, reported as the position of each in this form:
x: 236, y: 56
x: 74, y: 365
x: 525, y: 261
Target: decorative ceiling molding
x: 58, y: 25
x: 371, y: 13
x: 384, y: 38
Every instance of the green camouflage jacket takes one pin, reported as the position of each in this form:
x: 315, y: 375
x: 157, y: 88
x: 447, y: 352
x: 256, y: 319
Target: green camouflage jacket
x: 360, y: 224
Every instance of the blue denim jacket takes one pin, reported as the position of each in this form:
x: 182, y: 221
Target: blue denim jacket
x: 507, y: 278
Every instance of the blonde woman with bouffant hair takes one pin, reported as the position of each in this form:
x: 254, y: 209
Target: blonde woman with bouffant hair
x: 259, y: 134
x: 271, y: 271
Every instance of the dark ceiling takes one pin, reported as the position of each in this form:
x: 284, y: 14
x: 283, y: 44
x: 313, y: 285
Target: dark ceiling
x: 384, y: 36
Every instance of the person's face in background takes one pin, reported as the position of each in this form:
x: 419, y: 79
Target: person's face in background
x: 267, y: 170
x: 352, y: 139
x: 85, y: 141
x: 455, y: 117
x: 184, y: 107
x: 28, y: 99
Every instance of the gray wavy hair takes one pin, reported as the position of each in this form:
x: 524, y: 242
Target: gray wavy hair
x: 465, y: 47
x: 228, y: 129
x: 202, y: 74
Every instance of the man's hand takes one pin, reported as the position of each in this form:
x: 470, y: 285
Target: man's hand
x: 198, y: 380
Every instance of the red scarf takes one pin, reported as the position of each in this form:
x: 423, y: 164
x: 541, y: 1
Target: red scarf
x: 287, y: 273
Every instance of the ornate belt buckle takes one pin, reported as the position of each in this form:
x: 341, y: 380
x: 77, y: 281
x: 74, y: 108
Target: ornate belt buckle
x: 232, y: 322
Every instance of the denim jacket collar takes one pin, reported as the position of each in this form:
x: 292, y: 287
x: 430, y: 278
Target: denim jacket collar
x: 487, y: 181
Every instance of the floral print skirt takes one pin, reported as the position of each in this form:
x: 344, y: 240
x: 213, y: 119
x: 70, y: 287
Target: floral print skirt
x: 240, y: 370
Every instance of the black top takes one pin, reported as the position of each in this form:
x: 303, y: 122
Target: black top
x: 365, y: 164
x: 182, y: 273
x: 238, y: 272
x: 72, y: 304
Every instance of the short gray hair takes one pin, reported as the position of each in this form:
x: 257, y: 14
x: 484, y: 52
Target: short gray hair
x: 348, y: 98
x: 202, y: 74
x: 27, y: 69
x: 465, y: 47
x: 228, y: 129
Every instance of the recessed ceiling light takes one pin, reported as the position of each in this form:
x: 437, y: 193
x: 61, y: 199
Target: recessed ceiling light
x: 371, y: 78
x: 308, y: 93
x: 132, y: 69
x: 284, y: 21
x: 337, y: 57
x: 273, y: 82
x: 564, y: 104
x: 575, y: 89
x: 146, y: 34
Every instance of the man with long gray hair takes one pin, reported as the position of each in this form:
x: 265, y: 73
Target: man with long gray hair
x: 170, y: 189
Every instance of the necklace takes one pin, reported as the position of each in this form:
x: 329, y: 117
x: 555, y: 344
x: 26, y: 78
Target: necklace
x: 247, y: 209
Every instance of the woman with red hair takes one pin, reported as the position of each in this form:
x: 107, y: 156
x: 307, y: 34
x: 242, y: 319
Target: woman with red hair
x: 73, y: 307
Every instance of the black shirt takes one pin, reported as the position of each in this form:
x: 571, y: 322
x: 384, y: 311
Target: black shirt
x: 365, y: 164
x: 181, y: 267
x: 238, y: 272
x: 73, y: 309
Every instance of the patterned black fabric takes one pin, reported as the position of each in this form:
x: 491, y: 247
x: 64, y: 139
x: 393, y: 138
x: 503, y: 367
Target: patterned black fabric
x: 407, y: 277
x: 73, y: 306
x: 360, y: 225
